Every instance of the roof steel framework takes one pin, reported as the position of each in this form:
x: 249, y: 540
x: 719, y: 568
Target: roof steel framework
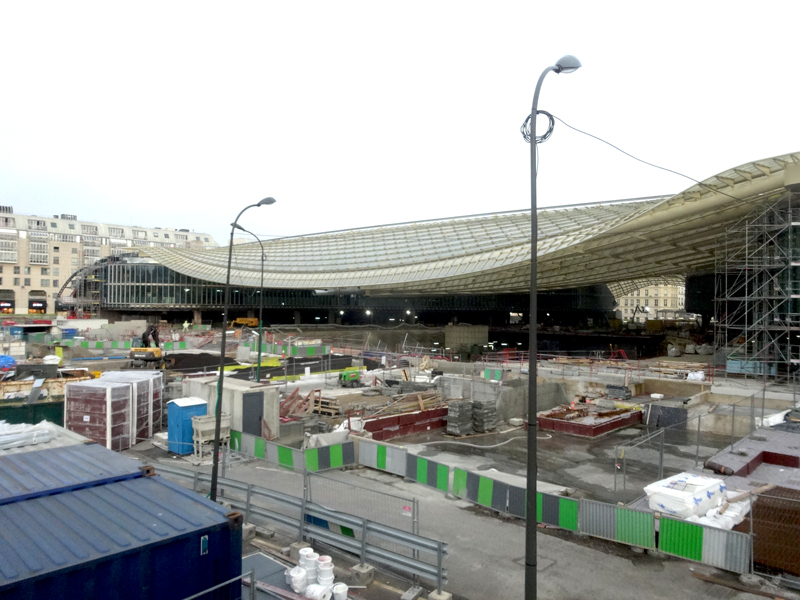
x: 626, y: 245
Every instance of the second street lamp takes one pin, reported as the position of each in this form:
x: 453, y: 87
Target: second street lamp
x: 566, y: 64
x: 260, y: 301
x: 220, y: 382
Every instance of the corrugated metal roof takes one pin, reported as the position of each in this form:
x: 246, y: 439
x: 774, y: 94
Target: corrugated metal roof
x: 62, y: 439
x: 51, y: 534
x: 33, y: 474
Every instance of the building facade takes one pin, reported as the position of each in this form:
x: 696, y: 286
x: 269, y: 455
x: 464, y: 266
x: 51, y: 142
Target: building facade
x: 652, y: 302
x: 38, y: 255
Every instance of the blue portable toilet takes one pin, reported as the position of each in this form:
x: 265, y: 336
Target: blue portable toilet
x: 179, y: 423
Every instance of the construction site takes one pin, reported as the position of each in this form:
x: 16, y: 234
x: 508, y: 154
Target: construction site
x: 373, y: 451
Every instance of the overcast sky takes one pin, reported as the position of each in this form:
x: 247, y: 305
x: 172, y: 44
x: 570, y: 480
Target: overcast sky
x: 179, y: 114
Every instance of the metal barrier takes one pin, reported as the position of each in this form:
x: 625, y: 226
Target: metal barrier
x: 334, y: 456
x: 354, y: 534
x: 431, y: 473
x: 616, y: 523
x: 383, y: 457
x: 729, y: 550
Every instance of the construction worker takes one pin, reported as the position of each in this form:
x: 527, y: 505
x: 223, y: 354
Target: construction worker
x: 185, y: 326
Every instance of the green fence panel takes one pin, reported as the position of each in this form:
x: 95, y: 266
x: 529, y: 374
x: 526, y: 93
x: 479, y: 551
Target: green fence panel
x: 568, y: 514
x: 337, y: 459
x: 635, y: 527
x: 681, y: 539
x: 381, y: 449
x: 311, y: 351
x: 459, y: 483
x: 260, y: 446
x: 126, y: 345
x: 312, y: 459
x: 538, y: 507
x: 285, y: 457
x: 442, y: 477
x: 422, y: 470
x: 485, y: 491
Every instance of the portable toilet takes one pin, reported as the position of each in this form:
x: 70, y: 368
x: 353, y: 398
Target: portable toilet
x: 179, y: 423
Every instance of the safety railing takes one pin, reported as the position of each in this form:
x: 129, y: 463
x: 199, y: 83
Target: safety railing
x: 347, y: 532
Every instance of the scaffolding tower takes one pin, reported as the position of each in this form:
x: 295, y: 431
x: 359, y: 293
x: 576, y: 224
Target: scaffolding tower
x: 757, y: 293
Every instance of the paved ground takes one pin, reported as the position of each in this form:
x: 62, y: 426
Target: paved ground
x: 486, y: 553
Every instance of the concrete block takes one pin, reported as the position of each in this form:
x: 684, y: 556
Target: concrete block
x: 434, y: 595
x: 412, y: 593
x: 294, y: 549
x: 362, y: 574
x: 248, y: 532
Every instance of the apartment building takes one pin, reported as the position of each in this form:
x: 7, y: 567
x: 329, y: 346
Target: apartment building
x: 39, y: 254
x: 653, y: 302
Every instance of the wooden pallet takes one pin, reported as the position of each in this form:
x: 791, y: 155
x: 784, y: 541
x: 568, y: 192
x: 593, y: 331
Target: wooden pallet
x: 327, y: 407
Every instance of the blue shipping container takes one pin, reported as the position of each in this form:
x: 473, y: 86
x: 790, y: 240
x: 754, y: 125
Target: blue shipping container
x: 139, y: 539
x: 42, y: 472
x: 179, y: 423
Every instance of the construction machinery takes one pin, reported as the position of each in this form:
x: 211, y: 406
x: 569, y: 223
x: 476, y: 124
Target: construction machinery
x: 350, y: 378
x: 248, y: 321
x: 146, y: 356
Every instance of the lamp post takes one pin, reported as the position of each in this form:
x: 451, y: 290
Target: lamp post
x: 220, y: 383
x: 566, y: 64
x: 260, y: 301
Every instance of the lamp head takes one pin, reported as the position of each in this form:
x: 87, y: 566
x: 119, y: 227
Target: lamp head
x: 237, y: 226
x: 271, y: 200
x: 567, y: 64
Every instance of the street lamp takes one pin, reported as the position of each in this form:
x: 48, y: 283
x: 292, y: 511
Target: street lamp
x: 220, y: 382
x: 260, y: 300
x: 566, y: 64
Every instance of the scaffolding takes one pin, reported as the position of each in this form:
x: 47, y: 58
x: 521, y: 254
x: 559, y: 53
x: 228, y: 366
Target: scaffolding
x: 757, y: 292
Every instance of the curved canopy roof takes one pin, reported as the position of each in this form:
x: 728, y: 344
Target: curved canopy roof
x: 624, y: 244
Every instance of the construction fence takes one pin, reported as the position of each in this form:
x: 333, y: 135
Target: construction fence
x: 729, y: 550
x: 324, y: 458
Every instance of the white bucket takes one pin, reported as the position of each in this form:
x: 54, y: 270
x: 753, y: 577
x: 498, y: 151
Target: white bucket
x: 324, y: 559
x: 288, y: 575
x: 303, y: 552
x: 340, y: 591
x: 318, y: 592
x: 324, y: 568
x: 309, y: 561
x: 297, y: 572
x: 325, y: 579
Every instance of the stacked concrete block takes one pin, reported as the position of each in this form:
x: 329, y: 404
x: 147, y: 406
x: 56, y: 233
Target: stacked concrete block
x: 620, y: 392
x: 484, y: 415
x: 459, y: 417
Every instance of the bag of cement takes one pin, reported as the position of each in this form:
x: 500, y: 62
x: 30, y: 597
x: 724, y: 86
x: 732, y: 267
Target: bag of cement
x: 673, y: 351
x: 705, y: 349
x: 689, y: 349
x: 484, y: 415
x: 459, y: 417
x: 686, y: 494
x: 696, y: 376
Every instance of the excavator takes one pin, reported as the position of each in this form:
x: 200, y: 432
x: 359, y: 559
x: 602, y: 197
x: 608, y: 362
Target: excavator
x: 147, y: 356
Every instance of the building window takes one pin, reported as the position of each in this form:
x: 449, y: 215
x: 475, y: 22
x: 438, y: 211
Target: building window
x: 637, y: 302
x: 26, y: 270
x: 55, y: 282
x: 45, y: 271
x: 166, y: 235
x: 74, y: 250
x: 55, y: 271
x: 655, y: 302
x: 206, y: 239
x: 637, y: 292
x: 197, y: 238
x: 55, y: 248
x: 180, y: 237
x: 55, y: 260
x: 666, y: 302
x: 1, y: 268
x: 89, y: 229
x: 155, y: 234
x: 74, y: 261
x: 646, y: 302
x: 26, y: 281
x: 139, y: 235
x: 72, y: 225
x: 626, y: 302
x: 8, y: 222
x: 647, y: 292
x: 45, y: 283
x: 116, y: 232
x: 37, y: 225
x: 16, y: 270
x: 53, y: 224
x: 16, y: 280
